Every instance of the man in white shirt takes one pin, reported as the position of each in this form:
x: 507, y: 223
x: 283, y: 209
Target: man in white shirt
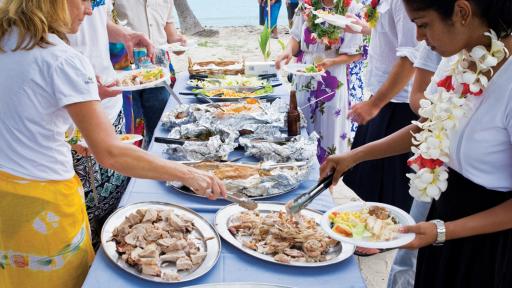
x: 153, y: 18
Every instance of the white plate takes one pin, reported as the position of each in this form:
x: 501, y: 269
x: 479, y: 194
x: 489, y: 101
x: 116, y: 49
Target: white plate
x: 401, y: 216
x: 224, y: 216
x: 121, y: 74
x: 295, y: 67
x: 175, y: 47
x: 339, y: 20
x: 203, y: 230
x: 133, y: 138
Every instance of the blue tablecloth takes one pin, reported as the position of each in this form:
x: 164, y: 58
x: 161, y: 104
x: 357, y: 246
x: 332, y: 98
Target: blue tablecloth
x: 233, y: 265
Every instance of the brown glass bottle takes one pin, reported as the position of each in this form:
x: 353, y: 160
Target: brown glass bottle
x: 293, y: 116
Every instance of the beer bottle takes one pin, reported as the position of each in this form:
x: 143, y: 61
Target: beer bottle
x: 293, y: 116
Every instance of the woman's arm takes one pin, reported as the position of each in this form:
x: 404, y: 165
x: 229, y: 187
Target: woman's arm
x: 341, y: 59
x: 492, y: 220
x: 291, y: 49
x: 132, y: 161
x: 394, y: 144
x: 420, y: 84
x: 398, y: 78
x: 173, y: 35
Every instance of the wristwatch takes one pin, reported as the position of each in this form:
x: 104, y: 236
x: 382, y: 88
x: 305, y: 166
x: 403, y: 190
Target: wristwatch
x: 441, y: 232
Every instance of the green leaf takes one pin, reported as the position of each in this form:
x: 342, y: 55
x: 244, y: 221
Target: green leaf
x: 281, y: 43
x: 264, y: 42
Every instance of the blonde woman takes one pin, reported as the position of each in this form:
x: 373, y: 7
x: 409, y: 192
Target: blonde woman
x: 46, y: 86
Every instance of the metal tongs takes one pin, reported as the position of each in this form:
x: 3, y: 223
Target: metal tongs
x: 242, y: 200
x: 305, y: 199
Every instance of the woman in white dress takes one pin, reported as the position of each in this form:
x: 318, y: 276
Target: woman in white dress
x: 328, y: 93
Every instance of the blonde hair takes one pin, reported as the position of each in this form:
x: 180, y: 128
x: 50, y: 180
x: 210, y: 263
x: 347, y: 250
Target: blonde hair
x: 34, y: 19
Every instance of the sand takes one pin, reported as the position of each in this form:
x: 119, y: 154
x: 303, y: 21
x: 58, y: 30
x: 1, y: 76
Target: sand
x: 235, y: 43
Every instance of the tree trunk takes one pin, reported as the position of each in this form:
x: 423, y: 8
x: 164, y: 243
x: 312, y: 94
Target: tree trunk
x: 188, y: 21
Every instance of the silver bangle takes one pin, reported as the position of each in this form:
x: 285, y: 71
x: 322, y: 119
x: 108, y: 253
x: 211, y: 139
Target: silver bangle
x: 441, y: 232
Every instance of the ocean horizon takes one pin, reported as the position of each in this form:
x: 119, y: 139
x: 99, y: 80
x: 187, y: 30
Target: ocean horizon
x: 219, y: 13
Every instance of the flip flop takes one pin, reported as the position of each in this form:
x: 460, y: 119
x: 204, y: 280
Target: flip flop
x: 360, y: 254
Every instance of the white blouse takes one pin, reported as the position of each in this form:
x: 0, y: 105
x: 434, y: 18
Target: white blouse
x: 393, y: 38
x: 36, y: 86
x: 481, y: 149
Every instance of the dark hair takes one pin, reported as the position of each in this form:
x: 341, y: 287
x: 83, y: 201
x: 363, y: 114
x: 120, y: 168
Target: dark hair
x: 496, y: 13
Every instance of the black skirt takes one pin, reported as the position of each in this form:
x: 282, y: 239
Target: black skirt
x: 479, y: 261
x: 383, y: 180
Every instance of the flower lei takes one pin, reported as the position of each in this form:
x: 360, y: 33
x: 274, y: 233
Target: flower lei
x: 329, y: 34
x: 443, y: 111
x: 371, y: 15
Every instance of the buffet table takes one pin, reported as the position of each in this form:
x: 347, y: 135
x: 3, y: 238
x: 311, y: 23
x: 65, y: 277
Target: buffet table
x: 233, y: 265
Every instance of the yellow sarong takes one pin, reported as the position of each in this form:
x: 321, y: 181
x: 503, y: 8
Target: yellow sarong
x: 44, y: 233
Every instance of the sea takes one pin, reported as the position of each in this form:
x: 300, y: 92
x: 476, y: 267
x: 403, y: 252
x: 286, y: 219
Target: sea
x: 219, y: 13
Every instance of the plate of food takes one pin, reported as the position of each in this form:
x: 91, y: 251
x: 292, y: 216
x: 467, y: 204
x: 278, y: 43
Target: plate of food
x: 270, y: 234
x: 227, y: 81
x: 233, y: 94
x: 304, y: 69
x: 139, y: 79
x: 130, y: 138
x: 368, y: 224
x: 337, y: 20
x: 175, y: 48
x: 160, y: 242
x: 253, y: 180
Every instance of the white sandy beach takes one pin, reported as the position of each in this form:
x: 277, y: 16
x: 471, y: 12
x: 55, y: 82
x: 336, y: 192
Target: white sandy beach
x: 234, y: 43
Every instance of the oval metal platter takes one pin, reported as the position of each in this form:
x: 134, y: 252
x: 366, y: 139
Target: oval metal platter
x: 186, y: 190
x: 239, y: 285
x: 204, y: 231
x: 224, y: 217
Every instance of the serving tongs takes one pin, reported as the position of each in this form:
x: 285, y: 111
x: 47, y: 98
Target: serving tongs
x: 242, y: 200
x: 303, y: 200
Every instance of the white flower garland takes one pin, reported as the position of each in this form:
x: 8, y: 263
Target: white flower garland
x: 443, y: 111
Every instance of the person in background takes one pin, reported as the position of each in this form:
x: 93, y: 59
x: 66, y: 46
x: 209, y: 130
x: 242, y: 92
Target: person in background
x: 391, y: 55
x: 324, y: 99
x: 404, y: 265
x: 156, y: 21
x: 47, y: 87
x: 467, y: 241
x: 291, y: 6
x: 103, y: 188
x: 273, y: 10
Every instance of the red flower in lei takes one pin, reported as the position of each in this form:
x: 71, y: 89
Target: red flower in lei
x: 425, y: 163
x: 347, y: 3
x: 374, y: 4
x: 446, y: 83
x: 308, y: 2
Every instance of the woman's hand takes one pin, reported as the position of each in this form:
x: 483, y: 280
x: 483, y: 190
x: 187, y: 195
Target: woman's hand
x: 206, y: 184
x: 339, y: 164
x: 363, y: 112
x: 80, y: 150
x: 326, y: 63
x: 136, y: 39
x: 426, y: 234
x: 366, y: 30
x: 105, y: 90
x: 286, y: 56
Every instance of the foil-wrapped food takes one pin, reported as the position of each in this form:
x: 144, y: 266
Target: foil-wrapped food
x: 278, y: 148
x: 255, y: 180
x: 202, y: 142
x: 233, y: 114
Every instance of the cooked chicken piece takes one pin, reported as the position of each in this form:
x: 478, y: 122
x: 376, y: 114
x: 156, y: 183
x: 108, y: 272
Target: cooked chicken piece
x: 165, y: 242
x: 172, y: 256
x: 313, y: 248
x: 171, y: 276
x: 294, y: 253
x: 154, y: 234
x: 282, y: 258
x: 141, y: 213
x: 181, y: 224
x: 197, y: 258
x: 121, y: 230
x: 124, y: 248
x: 134, y: 218
x: 250, y: 244
x: 148, y: 261
x: 177, y: 235
x: 150, y: 216
x: 379, y: 212
x: 132, y: 238
x: 150, y: 251
x: 184, y: 263
x: 162, y: 225
x: 151, y: 269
